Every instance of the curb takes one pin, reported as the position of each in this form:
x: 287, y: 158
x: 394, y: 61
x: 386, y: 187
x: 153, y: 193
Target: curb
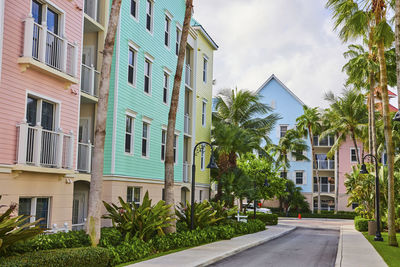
x: 230, y: 253
x: 338, y: 261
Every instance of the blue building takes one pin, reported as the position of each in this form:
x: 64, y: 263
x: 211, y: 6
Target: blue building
x: 285, y: 103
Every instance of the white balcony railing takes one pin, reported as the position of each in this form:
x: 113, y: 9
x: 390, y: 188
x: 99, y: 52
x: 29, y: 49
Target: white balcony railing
x: 325, y: 188
x: 85, y: 157
x: 90, y: 78
x: 325, y: 165
x: 49, y: 48
x: 45, y: 148
x: 186, y: 126
x: 188, y: 76
x: 186, y: 172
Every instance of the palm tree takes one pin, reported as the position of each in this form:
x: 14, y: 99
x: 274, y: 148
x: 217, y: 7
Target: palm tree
x: 96, y: 182
x: 397, y: 46
x: 350, y: 116
x: 169, y: 147
x: 309, y: 125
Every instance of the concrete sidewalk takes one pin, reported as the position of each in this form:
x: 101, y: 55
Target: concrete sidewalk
x: 355, y: 250
x: 213, y: 252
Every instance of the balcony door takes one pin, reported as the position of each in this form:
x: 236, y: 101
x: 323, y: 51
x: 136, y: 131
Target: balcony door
x: 40, y: 111
x: 85, y: 130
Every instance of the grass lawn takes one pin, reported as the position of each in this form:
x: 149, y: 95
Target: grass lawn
x: 391, y: 255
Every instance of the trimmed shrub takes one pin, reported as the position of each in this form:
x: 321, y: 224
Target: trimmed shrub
x: 131, y: 250
x: 72, y: 239
x: 324, y: 214
x: 110, y: 236
x: 72, y: 257
x: 268, y: 219
x: 361, y: 224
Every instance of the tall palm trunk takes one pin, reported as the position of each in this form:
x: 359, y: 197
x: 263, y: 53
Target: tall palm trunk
x: 96, y: 182
x: 169, y: 155
x: 397, y: 45
x: 353, y: 137
x: 371, y: 113
x: 380, y: 16
x: 310, y: 133
x: 337, y: 180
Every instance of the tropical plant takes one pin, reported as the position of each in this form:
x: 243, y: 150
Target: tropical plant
x: 222, y: 211
x: 294, y: 200
x: 96, y: 181
x: 309, y: 125
x: 204, y: 214
x: 14, y: 229
x: 143, y: 222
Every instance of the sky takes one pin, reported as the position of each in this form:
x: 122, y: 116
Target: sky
x: 293, y: 39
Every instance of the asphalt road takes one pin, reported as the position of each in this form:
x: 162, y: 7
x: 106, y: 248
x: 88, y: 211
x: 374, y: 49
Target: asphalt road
x: 303, y: 247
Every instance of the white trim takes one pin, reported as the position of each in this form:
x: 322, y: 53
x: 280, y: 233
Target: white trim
x: 151, y: 31
x: 206, y: 36
x: 131, y: 113
x: 57, y: 104
x: 204, y: 110
x: 114, y: 132
x: 146, y: 119
x: 168, y: 76
x: 148, y: 57
x: 137, y: 10
x: 204, y: 71
x: 1, y: 33
x: 284, y: 86
x: 132, y: 133
x: 168, y: 20
x: 168, y: 14
x: 203, y: 157
x: 147, y: 156
x: 168, y: 71
x: 135, y: 64
x: 355, y: 151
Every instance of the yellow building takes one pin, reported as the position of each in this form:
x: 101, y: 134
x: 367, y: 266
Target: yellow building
x: 204, y: 83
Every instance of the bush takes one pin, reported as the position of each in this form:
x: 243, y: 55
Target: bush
x: 110, y: 236
x: 204, y: 214
x: 72, y: 239
x: 222, y: 211
x: 361, y: 224
x: 324, y: 214
x: 267, y: 219
x: 73, y: 257
x: 131, y: 250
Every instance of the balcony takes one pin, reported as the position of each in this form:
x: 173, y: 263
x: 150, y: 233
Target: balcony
x: 324, y: 142
x: 49, y: 52
x: 325, y: 165
x: 325, y: 188
x: 186, y: 172
x: 43, y: 148
x: 188, y: 76
x: 90, y: 79
x: 187, y: 129
x: 85, y: 152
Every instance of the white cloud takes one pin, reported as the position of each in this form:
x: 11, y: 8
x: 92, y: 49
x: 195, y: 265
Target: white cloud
x: 292, y: 39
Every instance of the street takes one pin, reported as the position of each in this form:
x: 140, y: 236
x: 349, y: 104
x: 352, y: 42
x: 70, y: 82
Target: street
x: 303, y: 247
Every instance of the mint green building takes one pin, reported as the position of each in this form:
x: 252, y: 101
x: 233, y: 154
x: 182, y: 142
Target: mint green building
x: 142, y: 77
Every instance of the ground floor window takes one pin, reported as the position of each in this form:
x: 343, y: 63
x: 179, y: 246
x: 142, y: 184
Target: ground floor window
x: 133, y: 194
x: 36, y: 207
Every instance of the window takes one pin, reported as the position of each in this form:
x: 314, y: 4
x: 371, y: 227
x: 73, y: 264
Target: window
x: 354, y: 205
x: 205, y: 66
x: 283, y: 130
x: 37, y: 12
x: 178, y: 40
x: 133, y: 194
x: 353, y: 155
x: 203, y: 156
x: 134, y: 8
x: 163, y: 194
x: 149, y: 16
x: 299, y: 177
x: 284, y: 175
x: 175, y: 146
x: 203, y: 113
x: 52, y: 21
x: 129, y: 134
x: 163, y: 144
x: 166, y: 88
x: 145, y: 140
x: 167, y: 31
x: 37, y: 208
x: 147, y: 76
x: 201, y: 195
x: 40, y: 111
x: 132, y: 66
x: 299, y: 153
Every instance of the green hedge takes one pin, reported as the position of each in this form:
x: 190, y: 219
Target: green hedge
x: 324, y: 214
x: 361, y: 224
x: 72, y: 257
x: 268, y: 219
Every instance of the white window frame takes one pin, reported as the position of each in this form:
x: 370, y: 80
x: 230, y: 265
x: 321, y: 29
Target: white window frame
x: 136, y: 16
x: 163, y: 144
x: 40, y: 98
x: 134, y: 188
x: 175, y: 145
x: 351, y: 155
x: 178, y: 39
x: 34, y: 207
x: 280, y: 129
x: 295, y: 177
x: 151, y: 2
x: 135, y: 50
x: 166, y: 82
x: 147, y: 138
x: 203, y: 157
x: 61, y: 20
x: 167, y: 30
x: 200, y: 195
x: 204, y: 113
x: 132, y: 115
x: 148, y: 59
x: 205, y: 69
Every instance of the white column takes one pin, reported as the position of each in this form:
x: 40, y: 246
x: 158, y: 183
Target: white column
x: 75, y: 60
x: 71, y: 151
x: 37, y: 145
x: 89, y: 159
x: 28, y: 36
x: 60, y: 146
x: 64, y: 55
x: 91, y: 80
x: 22, y: 142
x: 42, y: 42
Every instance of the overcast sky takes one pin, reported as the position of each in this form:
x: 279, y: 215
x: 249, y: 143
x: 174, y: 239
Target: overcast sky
x: 293, y: 39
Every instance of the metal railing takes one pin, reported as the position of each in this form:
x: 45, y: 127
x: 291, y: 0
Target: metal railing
x: 325, y: 165
x: 40, y: 147
x: 186, y: 172
x: 35, y: 40
x: 54, y: 45
x: 186, y: 126
x: 188, y: 76
x: 85, y: 157
x: 90, y: 78
x: 325, y: 188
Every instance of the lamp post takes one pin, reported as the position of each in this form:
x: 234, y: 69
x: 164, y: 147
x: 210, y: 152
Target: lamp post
x: 255, y: 201
x: 378, y: 236
x: 211, y: 165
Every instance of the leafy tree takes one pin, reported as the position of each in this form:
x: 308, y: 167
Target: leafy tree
x: 293, y: 199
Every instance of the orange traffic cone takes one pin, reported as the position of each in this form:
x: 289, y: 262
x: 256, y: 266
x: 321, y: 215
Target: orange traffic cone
x: 299, y: 216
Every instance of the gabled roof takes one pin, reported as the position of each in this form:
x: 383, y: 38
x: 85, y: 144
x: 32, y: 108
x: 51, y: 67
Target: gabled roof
x: 203, y: 32
x: 283, y: 86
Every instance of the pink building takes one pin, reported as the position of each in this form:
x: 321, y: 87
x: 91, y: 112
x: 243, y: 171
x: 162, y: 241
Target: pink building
x: 39, y: 88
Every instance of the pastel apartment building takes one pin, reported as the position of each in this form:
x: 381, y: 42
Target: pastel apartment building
x: 40, y: 70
